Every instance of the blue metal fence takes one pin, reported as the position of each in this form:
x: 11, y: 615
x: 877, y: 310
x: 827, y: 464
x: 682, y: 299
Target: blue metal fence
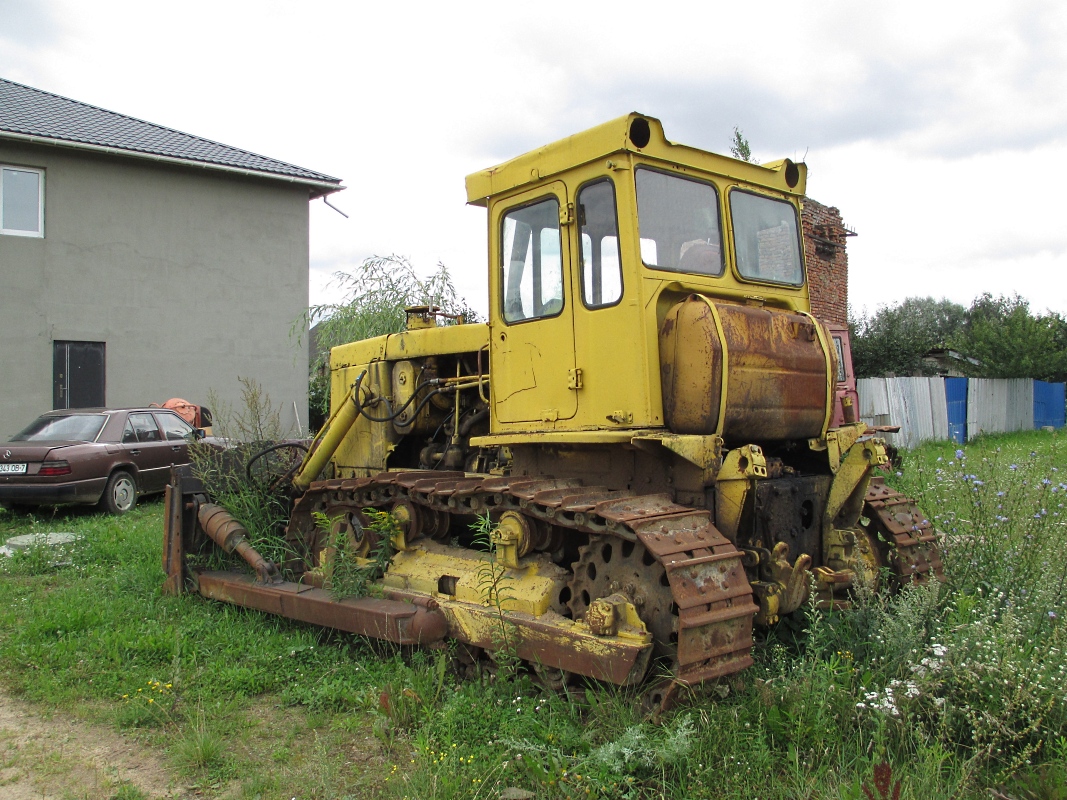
x: 1049, y: 404
x: 956, y: 400
x: 959, y: 408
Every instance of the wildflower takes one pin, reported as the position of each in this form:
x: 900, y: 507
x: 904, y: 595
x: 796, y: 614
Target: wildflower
x: 1013, y: 467
x: 1052, y: 615
x: 959, y: 454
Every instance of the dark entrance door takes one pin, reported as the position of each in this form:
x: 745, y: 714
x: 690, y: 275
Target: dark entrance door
x: 77, y: 374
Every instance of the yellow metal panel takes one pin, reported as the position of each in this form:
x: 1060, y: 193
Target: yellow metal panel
x: 531, y: 361
x: 615, y: 347
x: 531, y: 589
x: 367, y: 446
x: 612, y: 139
x: 536, y: 436
x: 412, y: 344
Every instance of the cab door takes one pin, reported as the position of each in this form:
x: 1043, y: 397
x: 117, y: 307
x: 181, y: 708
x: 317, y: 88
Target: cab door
x: 612, y: 348
x: 532, y: 377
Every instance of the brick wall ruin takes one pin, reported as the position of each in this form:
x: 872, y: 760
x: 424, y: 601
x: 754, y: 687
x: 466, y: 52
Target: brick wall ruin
x: 824, y: 245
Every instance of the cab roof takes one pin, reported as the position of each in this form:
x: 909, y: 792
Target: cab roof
x: 634, y: 133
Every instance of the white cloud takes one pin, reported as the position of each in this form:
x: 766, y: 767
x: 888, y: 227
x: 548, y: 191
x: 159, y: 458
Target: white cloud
x: 932, y: 127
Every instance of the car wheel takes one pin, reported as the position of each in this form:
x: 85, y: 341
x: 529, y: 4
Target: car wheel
x: 121, y: 493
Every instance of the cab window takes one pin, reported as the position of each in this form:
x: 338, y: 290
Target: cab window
x: 766, y: 240
x: 678, y: 220
x: 531, y: 261
x: 601, y: 269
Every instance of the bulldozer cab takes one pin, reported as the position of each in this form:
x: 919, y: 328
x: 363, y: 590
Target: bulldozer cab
x: 593, y: 239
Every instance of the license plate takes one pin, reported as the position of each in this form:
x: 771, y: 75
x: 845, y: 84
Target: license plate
x: 12, y: 469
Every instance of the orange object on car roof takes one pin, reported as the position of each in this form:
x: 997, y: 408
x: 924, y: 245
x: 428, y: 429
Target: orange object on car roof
x: 183, y: 408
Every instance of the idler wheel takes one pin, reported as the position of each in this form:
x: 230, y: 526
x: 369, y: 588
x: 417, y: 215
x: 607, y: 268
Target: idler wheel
x: 607, y: 566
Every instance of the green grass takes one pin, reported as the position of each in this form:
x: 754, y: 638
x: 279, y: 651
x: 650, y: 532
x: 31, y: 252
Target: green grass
x: 958, y: 688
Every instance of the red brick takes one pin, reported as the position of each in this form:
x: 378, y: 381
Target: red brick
x: 827, y: 260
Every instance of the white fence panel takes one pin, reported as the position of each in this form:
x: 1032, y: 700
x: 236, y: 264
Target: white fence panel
x: 917, y: 405
x: 999, y: 406
x: 874, y: 400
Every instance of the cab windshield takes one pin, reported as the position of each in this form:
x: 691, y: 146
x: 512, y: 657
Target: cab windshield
x: 679, y: 223
x: 765, y: 238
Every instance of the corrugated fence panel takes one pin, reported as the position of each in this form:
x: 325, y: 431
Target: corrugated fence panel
x: 939, y: 408
x: 956, y: 404
x: 911, y: 410
x: 917, y: 405
x: 1049, y: 406
x: 998, y: 406
x: 958, y: 408
x: 874, y: 401
x: 986, y: 399
x: 1020, y: 411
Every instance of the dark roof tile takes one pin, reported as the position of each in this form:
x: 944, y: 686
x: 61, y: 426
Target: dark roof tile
x: 32, y: 112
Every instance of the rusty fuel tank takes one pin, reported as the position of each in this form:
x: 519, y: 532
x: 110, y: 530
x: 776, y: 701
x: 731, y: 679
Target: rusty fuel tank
x: 745, y: 372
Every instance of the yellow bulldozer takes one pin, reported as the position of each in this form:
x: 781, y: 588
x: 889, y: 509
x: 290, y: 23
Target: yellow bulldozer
x: 643, y: 427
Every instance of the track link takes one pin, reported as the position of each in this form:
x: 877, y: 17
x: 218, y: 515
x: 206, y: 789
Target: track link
x: 908, y: 537
x: 711, y: 594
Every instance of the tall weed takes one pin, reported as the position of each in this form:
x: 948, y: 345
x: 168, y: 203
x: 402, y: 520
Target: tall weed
x: 241, y: 481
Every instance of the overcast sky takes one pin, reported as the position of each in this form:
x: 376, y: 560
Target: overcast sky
x: 939, y: 130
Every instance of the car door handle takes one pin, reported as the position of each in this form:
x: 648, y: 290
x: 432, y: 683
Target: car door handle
x: 135, y: 452
x: 176, y: 448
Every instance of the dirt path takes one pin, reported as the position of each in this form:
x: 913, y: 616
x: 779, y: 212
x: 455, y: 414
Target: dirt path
x: 59, y: 758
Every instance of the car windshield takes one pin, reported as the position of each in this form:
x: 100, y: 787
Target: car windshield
x: 73, y: 428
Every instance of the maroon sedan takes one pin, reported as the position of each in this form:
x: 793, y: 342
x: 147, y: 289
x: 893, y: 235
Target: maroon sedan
x: 93, y: 455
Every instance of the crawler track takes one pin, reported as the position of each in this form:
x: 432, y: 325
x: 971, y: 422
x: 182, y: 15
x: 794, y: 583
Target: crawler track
x: 906, y: 536
x: 698, y: 603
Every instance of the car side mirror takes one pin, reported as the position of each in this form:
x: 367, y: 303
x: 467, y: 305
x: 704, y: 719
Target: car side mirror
x: 199, y: 433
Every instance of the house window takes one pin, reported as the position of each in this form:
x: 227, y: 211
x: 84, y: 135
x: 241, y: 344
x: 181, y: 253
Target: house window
x: 21, y: 201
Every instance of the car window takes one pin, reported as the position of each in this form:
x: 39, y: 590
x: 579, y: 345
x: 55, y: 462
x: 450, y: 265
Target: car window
x: 128, y: 436
x: 71, y: 428
x: 174, y: 427
x: 144, y: 426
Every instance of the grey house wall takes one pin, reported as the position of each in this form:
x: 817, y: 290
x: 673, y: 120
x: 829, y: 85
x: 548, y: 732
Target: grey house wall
x: 191, y: 277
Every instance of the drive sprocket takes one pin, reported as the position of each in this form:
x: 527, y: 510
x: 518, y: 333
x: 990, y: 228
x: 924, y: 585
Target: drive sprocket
x: 609, y: 565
